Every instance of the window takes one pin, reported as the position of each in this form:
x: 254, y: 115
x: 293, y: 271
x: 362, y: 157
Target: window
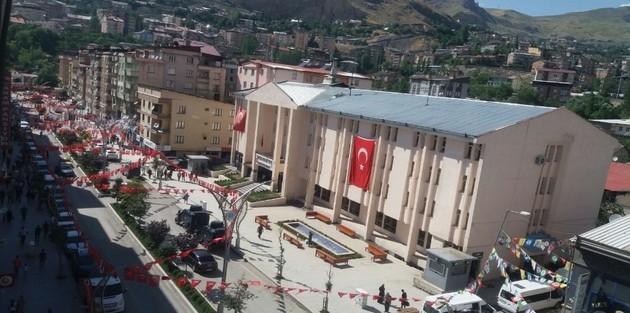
x: 216, y: 126
x: 216, y: 140
x: 437, y: 267
x: 550, y: 185
x: 434, y: 144
x: 472, y: 186
x: 406, y: 198
x: 416, y: 140
x: 190, y: 60
x: 229, y: 140
x: 187, y: 85
x: 391, y: 163
x: 230, y: 126
x: 244, y: 85
x: 443, y: 145
x: 378, y: 221
x: 179, y: 139
x: 542, y: 185
x: 478, y: 152
x: 218, y: 112
x: 325, y: 195
x: 216, y: 76
x: 466, y: 221
x: 189, y: 73
x: 411, y: 168
x: 318, y: 191
x: 170, y: 83
x: 232, y: 113
x: 350, y: 206
x: 437, y: 177
x: 294, y: 76
x: 181, y: 109
x: 252, y: 72
x: 458, y: 215
x: 373, y: 132
x: 424, y: 206
x: 432, y: 208
x: 462, y: 187
x: 389, y: 224
x: 170, y: 71
x: 386, y: 191
x: 179, y: 124
x: 171, y: 58
x: 422, y: 236
x: 429, y: 174
x: 150, y: 68
x: 558, y: 154
x: 469, y: 150
x: 394, y: 134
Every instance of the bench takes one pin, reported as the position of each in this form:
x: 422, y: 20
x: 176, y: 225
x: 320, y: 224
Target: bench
x: 376, y: 252
x: 346, y: 230
x: 319, y: 216
x: 263, y: 220
x: 311, y: 214
x: 292, y: 240
x: 329, y: 258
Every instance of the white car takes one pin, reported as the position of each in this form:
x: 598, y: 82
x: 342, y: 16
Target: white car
x: 113, y: 155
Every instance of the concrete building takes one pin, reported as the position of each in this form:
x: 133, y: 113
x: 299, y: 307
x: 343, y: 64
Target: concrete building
x: 439, y: 86
x: 253, y: 74
x: 112, y: 25
x: 553, y: 84
x: 179, y: 124
x: 442, y: 173
x: 124, y: 97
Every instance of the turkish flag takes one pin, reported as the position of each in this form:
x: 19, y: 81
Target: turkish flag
x: 361, y: 162
x: 239, y: 120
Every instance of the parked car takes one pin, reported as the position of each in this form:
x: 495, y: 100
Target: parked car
x: 64, y: 221
x: 74, y: 241
x: 193, y: 218
x: 201, y: 260
x: 82, y: 263
x: 65, y: 170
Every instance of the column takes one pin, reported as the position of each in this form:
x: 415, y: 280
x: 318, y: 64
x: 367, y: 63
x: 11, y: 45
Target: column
x: 312, y: 168
x: 277, y: 149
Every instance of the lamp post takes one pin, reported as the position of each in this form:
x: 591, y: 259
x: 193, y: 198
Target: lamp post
x: 521, y: 213
x: 234, y: 206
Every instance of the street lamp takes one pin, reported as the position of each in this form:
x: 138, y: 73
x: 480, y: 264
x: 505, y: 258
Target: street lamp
x: 235, y: 206
x: 521, y: 213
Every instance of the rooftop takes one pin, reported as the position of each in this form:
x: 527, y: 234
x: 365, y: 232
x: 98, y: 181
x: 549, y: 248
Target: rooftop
x: 618, y: 177
x: 460, y: 117
x: 304, y: 69
x: 613, y: 237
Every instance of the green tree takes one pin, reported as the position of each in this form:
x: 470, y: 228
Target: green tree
x: 625, y: 105
x: 249, y: 45
x: 365, y: 63
x: 236, y: 297
x: 47, y: 76
x: 94, y: 25
x: 133, y: 201
x: 607, y: 209
x: 526, y: 95
x: 592, y: 106
x: 608, y: 87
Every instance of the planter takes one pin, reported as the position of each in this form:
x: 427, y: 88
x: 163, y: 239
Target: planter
x: 239, y: 185
x: 265, y: 203
x: 215, y: 174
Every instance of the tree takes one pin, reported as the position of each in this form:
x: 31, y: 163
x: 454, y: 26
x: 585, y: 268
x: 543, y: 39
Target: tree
x: 133, y: 199
x: 47, y: 76
x: 625, y: 105
x: 592, y: 106
x: 249, y: 45
x: 328, y: 286
x: 607, y: 87
x: 157, y: 231
x: 607, y: 209
x: 236, y: 297
x: 95, y: 24
x: 186, y: 241
x: 365, y: 63
x: 526, y: 95
x: 281, y: 261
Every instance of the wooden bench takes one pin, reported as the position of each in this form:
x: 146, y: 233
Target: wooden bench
x: 311, y: 214
x: 376, y: 252
x: 292, y: 240
x: 346, y: 230
x: 263, y: 220
x: 323, y: 218
x: 329, y: 258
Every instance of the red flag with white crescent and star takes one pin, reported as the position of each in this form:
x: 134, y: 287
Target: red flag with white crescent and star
x: 239, y: 120
x: 361, y: 162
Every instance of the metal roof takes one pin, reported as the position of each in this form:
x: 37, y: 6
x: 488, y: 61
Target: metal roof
x: 462, y: 117
x: 614, y: 235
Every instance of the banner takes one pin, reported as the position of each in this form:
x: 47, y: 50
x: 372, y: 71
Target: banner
x: 240, y: 120
x: 361, y: 162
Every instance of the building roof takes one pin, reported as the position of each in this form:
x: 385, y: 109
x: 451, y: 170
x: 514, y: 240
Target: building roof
x: 304, y: 69
x: 205, y: 48
x: 461, y: 117
x: 613, y: 237
x: 618, y: 177
x: 614, y: 121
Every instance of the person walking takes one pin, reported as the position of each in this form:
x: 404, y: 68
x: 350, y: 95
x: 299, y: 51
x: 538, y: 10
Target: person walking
x: 22, y: 233
x: 38, y: 232
x: 45, y: 228
x: 17, y: 263
x: 23, y: 210
x: 403, y: 299
x: 179, y: 176
x: 260, y: 230
x: 388, y: 302
x: 185, y: 197
x: 42, y: 258
x: 381, y: 294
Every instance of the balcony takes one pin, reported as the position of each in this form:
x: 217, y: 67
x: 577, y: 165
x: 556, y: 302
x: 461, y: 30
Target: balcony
x: 159, y: 130
x: 131, y: 72
x: 160, y: 115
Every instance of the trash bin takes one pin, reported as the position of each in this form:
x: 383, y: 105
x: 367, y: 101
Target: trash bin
x: 204, y: 204
x: 361, y: 298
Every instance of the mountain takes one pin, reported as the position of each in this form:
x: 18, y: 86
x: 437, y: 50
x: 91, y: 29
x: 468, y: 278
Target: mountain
x: 611, y: 24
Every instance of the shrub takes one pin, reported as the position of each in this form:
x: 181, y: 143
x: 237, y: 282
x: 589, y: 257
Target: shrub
x: 157, y: 231
x: 186, y: 241
x: 218, y: 168
x: 262, y: 195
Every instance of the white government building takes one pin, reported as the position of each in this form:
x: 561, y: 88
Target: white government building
x: 445, y: 170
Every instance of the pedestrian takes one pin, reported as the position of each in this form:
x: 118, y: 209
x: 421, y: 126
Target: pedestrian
x: 381, y: 294
x: 179, y: 176
x: 38, y: 232
x: 149, y: 171
x: 388, y: 302
x: 22, y: 233
x: 42, y: 258
x: 12, y: 306
x: 23, y: 211
x: 403, y: 299
x: 17, y: 263
x: 310, y: 238
x: 45, y: 228
x: 25, y: 267
x: 260, y: 230
x: 185, y: 197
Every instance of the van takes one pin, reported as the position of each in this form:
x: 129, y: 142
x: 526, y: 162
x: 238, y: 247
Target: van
x: 103, y: 294
x: 538, y: 296
x: 456, y: 302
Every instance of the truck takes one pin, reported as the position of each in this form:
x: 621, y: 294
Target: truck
x: 102, y: 294
x: 210, y: 232
x: 193, y: 218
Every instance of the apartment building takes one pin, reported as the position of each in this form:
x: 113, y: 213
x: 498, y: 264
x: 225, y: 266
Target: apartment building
x: 553, y: 84
x: 439, y: 86
x: 434, y: 172
x: 253, y: 74
x: 177, y: 123
x: 124, y: 96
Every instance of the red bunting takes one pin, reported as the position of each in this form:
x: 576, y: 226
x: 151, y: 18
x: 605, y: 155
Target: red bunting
x: 195, y: 282
x: 181, y: 282
x: 341, y: 294
x: 130, y: 275
x: 209, y: 285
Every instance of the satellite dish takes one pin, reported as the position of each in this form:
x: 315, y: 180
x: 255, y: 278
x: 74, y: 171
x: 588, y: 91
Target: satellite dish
x: 614, y: 217
x: 615, y: 159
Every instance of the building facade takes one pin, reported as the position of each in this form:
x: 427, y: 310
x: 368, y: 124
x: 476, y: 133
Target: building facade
x: 427, y: 85
x: 253, y: 74
x: 553, y: 84
x: 124, y: 97
x: 443, y: 171
x: 178, y: 124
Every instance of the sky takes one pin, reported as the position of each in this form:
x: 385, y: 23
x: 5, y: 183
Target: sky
x: 551, y: 7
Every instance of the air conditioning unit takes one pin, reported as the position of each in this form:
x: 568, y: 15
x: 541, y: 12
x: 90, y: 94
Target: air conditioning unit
x: 540, y: 160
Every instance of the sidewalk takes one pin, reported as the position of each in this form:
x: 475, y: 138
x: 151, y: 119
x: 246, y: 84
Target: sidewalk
x: 42, y: 288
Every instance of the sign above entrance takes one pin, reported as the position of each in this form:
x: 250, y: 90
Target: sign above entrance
x: 264, y: 161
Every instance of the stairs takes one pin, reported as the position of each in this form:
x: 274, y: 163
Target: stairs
x: 247, y: 188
